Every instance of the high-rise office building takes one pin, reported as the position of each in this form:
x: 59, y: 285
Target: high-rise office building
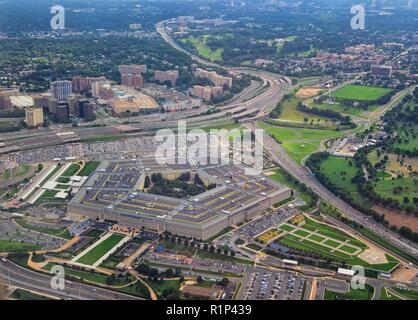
x: 34, y: 117
x: 60, y: 90
x: 84, y: 109
x: 61, y: 113
x: 5, y: 94
x: 131, y: 80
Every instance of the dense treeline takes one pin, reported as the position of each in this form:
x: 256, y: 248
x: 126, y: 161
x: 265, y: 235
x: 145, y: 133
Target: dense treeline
x: 345, y: 120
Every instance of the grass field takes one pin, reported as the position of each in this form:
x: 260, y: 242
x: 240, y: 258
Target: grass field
x: 357, y: 294
x: 21, y: 294
x: 92, y: 276
x: 409, y: 294
x: 342, y: 109
x: 89, y: 168
x: 329, y: 242
x: 92, y: 256
x: 71, y: 170
x: 15, y: 173
x: 340, y: 171
x: 290, y: 113
x: 203, y: 50
x: 14, y: 246
x: 279, y: 45
x: 386, y: 295
x: 298, y: 142
x: 160, y: 286
x: 360, y: 93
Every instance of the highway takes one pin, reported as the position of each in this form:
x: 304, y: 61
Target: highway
x: 12, y: 274
x: 279, y: 155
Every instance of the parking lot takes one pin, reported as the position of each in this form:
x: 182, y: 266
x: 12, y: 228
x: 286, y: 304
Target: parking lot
x: 250, y: 230
x: 9, y: 230
x: 262, y: 284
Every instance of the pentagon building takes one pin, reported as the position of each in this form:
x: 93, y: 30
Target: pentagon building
x: 115, y: 191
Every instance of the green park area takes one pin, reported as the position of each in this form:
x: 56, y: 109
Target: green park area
x: 386, y: 294
x: 71, y: 170
x: 15, y: 246
x: 21, y: 294
x: 340, y: 171
x: 299, y: 142
x: 330, y: 243
x: 407, y: 293
x: 202, y: 48
x: 353, y: 294
x: 349, y: 110
x: 280, y: 44
x: 360, y: 93
x: 93, y: 255
x: 290, y: 113
x: 9, y: 174
x: 89, y: 168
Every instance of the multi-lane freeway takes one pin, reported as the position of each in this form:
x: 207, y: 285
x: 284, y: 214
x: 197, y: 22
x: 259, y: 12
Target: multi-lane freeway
x: 12, y: 274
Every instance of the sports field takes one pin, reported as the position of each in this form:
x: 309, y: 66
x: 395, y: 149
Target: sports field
x: 330, y: 242
x: 92, y: 256
x: 360, y: 93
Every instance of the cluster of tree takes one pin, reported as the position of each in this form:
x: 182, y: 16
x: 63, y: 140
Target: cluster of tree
x: 366, y: 188
x: 189, y: 242
x: 345, y: 120
x: 155, y: 275
x: 277, y: 111
x: 185, y: 185
x: 12, y: 127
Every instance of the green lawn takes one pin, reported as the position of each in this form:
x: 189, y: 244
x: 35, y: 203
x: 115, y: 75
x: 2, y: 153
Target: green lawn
x: 386, y: 295
x: 89, y: 168
x: 358, y: 294
x: 160, y: 286
x: 92, y: 276
x: 99, y: 251
x: 290, y: 113
x: 397, y: 188
x: 21, y: 294
x: 15, y: 173
x: 360, y: 93
x: 410, y: 294
x: 340, y: 171
x: 286, y: 227
x: 71, y: 170
x: 14, y: 246
x: 203, y: 50
x: 300, y: 142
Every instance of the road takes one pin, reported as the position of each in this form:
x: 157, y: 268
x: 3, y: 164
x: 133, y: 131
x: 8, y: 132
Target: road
x: 279, y: 155
x: 12, y: 274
